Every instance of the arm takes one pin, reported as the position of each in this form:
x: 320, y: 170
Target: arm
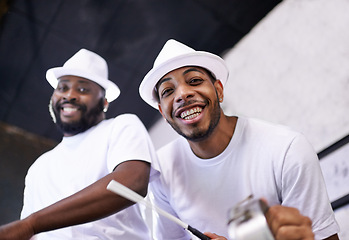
x: 85, y: 205
x: 287, y: 223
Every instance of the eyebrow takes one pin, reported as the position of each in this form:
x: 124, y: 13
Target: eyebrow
x: 193, y: 69
x: 64, y: 80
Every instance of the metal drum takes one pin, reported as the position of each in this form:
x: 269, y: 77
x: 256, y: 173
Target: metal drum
x: 247, y: 221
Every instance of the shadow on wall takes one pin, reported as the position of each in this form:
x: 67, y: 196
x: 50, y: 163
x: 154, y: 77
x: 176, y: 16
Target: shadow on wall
x: 18, y: 150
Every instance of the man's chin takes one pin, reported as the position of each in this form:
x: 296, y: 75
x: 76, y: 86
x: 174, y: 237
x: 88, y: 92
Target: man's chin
x: 70, y: 119
x: 71, y: 128
x: 194, y: 135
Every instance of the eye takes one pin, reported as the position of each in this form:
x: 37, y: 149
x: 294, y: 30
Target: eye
x: 62, y: 88
x: 166, y: 92
x: 195, y: 81
x: 83, y: 90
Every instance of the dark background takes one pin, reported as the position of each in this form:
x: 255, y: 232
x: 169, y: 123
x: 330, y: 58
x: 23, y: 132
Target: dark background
x: 36, y: 35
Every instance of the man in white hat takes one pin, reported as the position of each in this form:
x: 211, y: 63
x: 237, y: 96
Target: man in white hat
x: 66, y: 187
x: 221, y: 160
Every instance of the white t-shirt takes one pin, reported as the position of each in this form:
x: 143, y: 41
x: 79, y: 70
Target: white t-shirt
x: 81, y: 160
x: 262, y: 159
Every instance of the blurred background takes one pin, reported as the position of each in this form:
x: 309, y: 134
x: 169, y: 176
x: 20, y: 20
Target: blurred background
x: 288, y: 64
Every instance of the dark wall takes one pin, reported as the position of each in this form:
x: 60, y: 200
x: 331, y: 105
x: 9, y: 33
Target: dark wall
x: 18, y: 150
x: 36, y: 35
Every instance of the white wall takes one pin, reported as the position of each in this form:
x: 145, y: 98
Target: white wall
x: 293, y: 69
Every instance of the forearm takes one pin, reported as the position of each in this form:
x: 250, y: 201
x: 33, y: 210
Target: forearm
x: 93, y: 202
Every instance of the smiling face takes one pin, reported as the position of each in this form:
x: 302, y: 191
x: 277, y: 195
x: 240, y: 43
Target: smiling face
x: 77, y: 104
x: 188, y: 100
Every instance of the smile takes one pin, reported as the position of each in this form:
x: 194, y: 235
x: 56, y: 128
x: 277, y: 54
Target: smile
x: 69, y: 109
x: 191, y: 113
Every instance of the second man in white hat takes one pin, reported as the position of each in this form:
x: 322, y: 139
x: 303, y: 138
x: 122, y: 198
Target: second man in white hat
x: 221, y: 160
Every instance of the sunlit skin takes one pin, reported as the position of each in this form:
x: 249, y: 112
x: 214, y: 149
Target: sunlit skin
x: 76, y: 99
x: 208, y: 130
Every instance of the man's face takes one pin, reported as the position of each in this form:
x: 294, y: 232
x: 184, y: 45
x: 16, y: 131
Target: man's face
x: 77, y: 104
x: 188, y: 100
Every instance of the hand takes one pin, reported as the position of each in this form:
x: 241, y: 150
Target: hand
x: 214, y: 236
x: 287, y: 223
x: 18, y: 230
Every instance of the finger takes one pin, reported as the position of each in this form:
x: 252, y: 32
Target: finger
x: 291, y: 232
x: 288, y: 223
x: 278, y: 216
x: 214, y: 236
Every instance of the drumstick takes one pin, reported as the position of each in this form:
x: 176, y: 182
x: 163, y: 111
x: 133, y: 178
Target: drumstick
x: 131, y: 195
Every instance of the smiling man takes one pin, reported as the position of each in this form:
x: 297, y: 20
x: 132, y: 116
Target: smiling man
x: 221, y: 160
x: 65, y: 193
x: 73, y: 116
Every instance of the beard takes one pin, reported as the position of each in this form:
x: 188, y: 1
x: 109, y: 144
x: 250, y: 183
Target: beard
x: 199, y: 134
x: 88, y: 118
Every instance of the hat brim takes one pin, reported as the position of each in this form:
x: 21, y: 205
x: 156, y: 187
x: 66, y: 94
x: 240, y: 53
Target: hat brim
x: 112, y: 91
x: 211, y: 62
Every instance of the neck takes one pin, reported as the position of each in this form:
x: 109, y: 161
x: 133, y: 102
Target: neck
x: 217, y: 141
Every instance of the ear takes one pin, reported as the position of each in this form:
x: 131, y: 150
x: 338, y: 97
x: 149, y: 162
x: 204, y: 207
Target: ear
x: 106, y: 105
x: 219, y: 88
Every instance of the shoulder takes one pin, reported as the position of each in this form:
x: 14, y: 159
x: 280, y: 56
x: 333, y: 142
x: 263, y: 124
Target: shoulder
x: 273, y: 138
x: 280, y: 139
x: 125, y: 124
x: 121, y: 121
x: 266, y: 129
x: 127, y: 127
x: 127, y: 119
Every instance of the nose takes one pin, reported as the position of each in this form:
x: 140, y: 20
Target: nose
x: 183, y: 93
x: 71, y: 95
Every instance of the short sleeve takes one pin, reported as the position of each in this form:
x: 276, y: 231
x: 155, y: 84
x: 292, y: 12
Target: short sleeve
x: 129, y: 140
x: 303, y: 187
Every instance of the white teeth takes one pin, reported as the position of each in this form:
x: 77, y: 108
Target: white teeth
x: 192, y: 113
x: 192, y: 116
x: 68, y: 109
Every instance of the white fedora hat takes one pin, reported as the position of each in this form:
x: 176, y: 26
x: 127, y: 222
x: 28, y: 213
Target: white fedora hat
x: 89, y: 65
x: 175, y: 55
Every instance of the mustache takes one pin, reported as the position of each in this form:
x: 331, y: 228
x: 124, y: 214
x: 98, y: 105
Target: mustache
x: 190, y: 102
